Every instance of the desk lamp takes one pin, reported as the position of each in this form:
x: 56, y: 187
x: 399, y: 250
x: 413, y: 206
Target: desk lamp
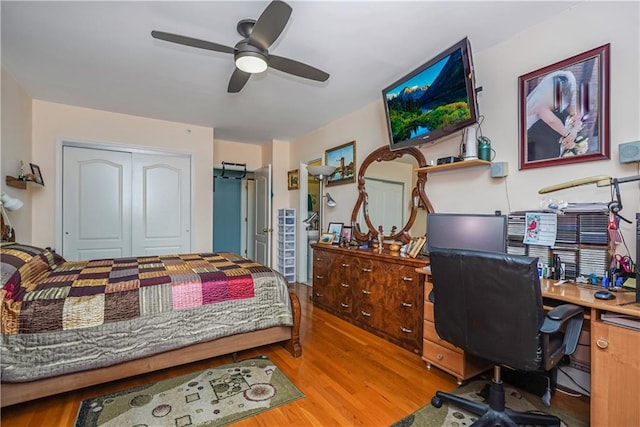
x: 322, y: 172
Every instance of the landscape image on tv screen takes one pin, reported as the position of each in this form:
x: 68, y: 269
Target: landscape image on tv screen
x: 434, y: 99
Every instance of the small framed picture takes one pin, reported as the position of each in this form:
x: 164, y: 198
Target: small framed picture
x: 37, y: 175
x: 335, y: 228
x: 326, y: 238
x: 415, y: 245
x: 346, y: 234
x: 293, y: 178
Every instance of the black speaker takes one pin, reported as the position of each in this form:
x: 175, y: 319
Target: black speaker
x: 629, y: 152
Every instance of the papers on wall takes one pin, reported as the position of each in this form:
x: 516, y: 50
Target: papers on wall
x: 541, y: 228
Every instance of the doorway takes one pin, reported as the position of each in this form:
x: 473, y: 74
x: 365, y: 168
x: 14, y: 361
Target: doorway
x: 233, y: 212
x: 310, y: 199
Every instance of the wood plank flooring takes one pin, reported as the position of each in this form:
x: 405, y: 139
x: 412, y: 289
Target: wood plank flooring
x: 349, y: 378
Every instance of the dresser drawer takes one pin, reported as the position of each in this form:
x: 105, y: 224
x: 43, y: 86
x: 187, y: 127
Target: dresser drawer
x: 429, y: 333
x: 428, y: 311
x: 443, y: 357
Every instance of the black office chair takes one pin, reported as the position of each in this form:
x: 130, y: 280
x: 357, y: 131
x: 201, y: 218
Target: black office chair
x: 490, y: 305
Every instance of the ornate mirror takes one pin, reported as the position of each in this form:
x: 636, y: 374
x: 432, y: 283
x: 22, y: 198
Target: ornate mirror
x: 390, y: 194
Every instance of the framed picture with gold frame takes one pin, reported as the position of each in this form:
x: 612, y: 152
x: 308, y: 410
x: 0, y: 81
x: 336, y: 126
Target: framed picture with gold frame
x: 326, y: 238
x: 292, y: 178
x: 415, y: 245
x: 343, y: 157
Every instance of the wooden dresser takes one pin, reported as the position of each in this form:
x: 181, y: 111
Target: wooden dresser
x: 381, y: 293
x: 440, y: 353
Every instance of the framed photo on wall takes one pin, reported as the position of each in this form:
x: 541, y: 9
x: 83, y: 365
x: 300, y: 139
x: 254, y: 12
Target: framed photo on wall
x: 343, y: 158
x: 293, y: 178
x: 564, y: 111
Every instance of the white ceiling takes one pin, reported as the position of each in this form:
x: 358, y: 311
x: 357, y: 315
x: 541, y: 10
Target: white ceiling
x: 101, y: 55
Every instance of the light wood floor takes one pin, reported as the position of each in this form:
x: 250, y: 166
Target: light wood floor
x: 349, y: 378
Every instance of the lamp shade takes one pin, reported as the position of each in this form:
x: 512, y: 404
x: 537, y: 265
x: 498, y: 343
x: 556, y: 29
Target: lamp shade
x: 251, y: 62
x: 330, y: 200
x: 321, y: 171
x: 10, y: 203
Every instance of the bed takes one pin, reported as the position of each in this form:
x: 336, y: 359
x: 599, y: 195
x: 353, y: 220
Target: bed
x: 71, y: 324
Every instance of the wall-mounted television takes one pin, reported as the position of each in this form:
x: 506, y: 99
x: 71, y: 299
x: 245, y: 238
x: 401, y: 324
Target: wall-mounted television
x: 433, y: 101
x: 478, y: 232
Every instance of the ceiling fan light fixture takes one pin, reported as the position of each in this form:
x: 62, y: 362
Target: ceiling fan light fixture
x: 251, y: 62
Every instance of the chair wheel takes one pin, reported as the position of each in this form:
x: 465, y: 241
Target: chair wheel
x: 436, y: 402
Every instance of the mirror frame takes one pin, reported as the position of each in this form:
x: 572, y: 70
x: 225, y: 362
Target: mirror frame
x: 384, y: 154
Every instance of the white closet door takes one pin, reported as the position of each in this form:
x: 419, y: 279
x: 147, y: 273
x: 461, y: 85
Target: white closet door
x: 96, y: 200
x: 263, y: 228
x: 161, y: 204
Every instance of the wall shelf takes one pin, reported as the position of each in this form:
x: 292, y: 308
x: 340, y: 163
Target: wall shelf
x: 16, y: 183
x: 456, y: 165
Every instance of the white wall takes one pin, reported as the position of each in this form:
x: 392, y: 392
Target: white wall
x: 53, y: 122
x: 15, y: 145
x: 584, y: 27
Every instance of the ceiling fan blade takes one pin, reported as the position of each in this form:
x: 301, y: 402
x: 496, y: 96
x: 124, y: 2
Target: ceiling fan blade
x: 238, y: 79
x: 189, y: 41
x: 297, y: 68
x: 270, y: 24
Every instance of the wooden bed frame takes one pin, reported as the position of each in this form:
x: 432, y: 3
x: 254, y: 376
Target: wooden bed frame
x: 289, y: 336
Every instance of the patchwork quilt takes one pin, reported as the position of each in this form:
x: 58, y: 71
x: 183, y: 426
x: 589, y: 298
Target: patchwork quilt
x: 60, y: 317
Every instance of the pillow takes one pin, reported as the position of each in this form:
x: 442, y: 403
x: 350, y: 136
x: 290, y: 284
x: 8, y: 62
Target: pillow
x: 20, y: 263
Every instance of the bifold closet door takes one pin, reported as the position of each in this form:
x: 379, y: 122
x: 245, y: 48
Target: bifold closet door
x: 119, y: 204
x: 96, y: 200
x: 161, y: 204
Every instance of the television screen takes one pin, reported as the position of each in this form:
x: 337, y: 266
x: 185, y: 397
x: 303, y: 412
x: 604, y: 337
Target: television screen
x: 479, y: 232
x: 433, y: 101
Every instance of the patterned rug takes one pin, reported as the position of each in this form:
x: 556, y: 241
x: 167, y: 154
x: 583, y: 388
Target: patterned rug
x: 213, y: 397
x: 518, y: 400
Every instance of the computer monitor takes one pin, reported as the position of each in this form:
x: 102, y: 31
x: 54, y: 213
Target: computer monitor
x: 480, y: 232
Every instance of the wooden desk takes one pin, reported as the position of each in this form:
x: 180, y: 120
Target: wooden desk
x: 615, y: 351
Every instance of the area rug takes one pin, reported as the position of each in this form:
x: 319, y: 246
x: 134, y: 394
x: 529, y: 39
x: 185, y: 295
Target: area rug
x: 518, y: 400
x: 213, y: 397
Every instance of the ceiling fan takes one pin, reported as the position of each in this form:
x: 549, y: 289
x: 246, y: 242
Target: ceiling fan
x: 251, y: 54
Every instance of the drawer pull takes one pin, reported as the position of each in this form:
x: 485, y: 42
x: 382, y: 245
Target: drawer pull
x: 344, y: 305
x: 345, y: 265
x: 602, y: 343
x: 405, y: 330
x: 407, y: 304
x: 366, y: 292
x: 407, y: 279
x: 440, y: 356
x: 319, y: 277
x: 318, y: 295
x: 367, y: 270
x: 318, y: 259
x: 365, y: 314
x: 344, y: 285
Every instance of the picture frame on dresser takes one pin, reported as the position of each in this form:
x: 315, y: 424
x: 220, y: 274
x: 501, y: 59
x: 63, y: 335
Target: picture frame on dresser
x: 326, y: 239
x: 335, y: 228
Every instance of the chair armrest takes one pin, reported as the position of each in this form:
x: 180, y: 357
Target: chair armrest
x: 570, y: 314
